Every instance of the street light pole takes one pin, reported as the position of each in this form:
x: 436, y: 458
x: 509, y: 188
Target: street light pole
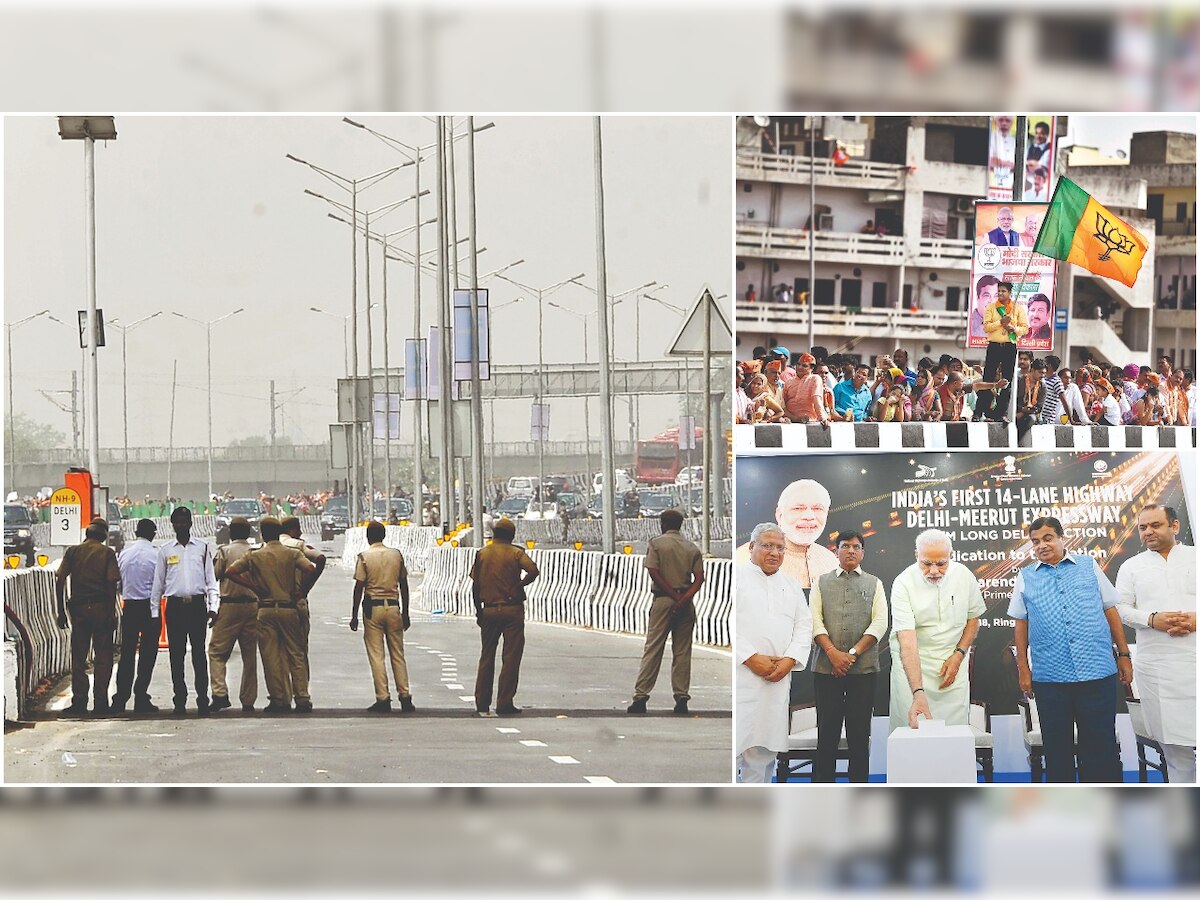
x: 608, y: 488
x: 476, y: 384
x: 12, y: 441
x: 125, y: 329
x: 208, y: 356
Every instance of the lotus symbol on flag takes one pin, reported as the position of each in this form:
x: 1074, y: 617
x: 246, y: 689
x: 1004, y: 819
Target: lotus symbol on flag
x: 1111, y: 237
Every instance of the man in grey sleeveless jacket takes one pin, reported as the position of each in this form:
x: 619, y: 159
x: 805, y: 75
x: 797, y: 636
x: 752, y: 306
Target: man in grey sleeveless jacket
x: 850, y: 617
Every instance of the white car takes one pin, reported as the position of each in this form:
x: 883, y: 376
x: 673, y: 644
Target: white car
x: 690, y: 475
x: 623, y: 483
x: 520, y: 486
x: 548, y: 510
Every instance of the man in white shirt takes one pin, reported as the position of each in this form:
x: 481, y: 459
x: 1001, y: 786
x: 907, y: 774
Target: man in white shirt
x: 183, y: 573
x: 1158, y: 600
x: 1072, y: 400
x: 140, y: 626
x: 936, y: 605
x: 772, y: 637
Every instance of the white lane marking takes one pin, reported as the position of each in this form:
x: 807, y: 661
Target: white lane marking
x: 598, y: 779
x: 456, y: 687
x: 466, y: 698
x: 509, y: 730
x: 533, y: 743
x: 565, y: 760
x: 447, y: 678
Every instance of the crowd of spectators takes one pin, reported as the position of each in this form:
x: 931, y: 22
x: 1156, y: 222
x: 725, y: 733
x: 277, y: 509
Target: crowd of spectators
x: 818, y: 388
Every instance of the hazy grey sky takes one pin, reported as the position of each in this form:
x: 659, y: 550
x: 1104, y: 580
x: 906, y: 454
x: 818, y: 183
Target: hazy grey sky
x: 203, y: 215
x: 1110, y: 133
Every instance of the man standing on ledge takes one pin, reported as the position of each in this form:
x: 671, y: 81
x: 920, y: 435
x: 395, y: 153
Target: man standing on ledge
x: 184, y: 575
x: 936, y: 605
x: 850, y: 615
x: 1158, y: 601
x: 1067, y: 620
x: 92, y: 568
x: 498, y: 581
x: 676, y: 569
x: 1004, y: 323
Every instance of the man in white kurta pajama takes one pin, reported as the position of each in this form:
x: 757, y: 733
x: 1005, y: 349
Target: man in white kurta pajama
x: 773, y: 635
x: 936, y: 605
x: 1158, y: 601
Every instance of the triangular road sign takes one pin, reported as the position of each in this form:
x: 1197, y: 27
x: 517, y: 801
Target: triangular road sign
x: 689, y: 340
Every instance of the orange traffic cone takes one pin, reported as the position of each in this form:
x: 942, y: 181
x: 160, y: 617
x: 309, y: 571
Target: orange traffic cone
x: 163, y: 644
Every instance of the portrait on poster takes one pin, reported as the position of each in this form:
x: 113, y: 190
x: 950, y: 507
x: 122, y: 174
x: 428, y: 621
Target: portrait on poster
x: 1004, y: 237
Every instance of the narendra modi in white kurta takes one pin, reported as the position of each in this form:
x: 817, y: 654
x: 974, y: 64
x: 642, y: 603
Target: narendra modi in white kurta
x: 1164, y: 672
x: 772, y: 618
x: 938, y: 613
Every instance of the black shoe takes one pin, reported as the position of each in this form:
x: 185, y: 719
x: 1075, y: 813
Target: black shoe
x: 637, y: 707
x: 75, y: 709
x: 219, y: 703
x: 144, y: 706
x: 681, y: 705
x: 247, y: 707
x: 304, y: 706
x: 117, y: 707
x: 406, y: 704
x: 509, y: 710
x: 180, y: 709
x: 275, y: 708
x: 482, y: 710
x: 380, y: 706
x: 101, y: 709
x: 203, y: 709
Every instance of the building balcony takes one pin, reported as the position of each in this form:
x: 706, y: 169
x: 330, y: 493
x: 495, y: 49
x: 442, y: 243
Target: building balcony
x: 1176, y: 244
x: 766, y: 242
x: 951, y: 178
x: 851, y: 322
x: 1175, y: 318
x: 784, y: 169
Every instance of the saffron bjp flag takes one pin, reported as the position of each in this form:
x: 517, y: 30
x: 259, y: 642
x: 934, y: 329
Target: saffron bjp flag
x: 1079, y: 230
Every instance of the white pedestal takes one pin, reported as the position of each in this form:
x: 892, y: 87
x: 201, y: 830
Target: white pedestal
x: 934, y: 753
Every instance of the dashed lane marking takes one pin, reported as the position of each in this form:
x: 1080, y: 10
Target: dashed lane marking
x: 598, y: 779
x: 533, y: 743
x: 565, y: 760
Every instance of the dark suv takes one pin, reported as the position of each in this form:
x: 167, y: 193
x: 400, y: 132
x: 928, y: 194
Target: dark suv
x: 250, y: 508
x: 335, y: 517
x: 18, y: 532
x: 116, y: 534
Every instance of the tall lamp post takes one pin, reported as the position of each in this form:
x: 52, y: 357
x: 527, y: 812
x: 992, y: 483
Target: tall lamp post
x: 352, y: 186
x: 587, y: 424
x: 541, y: 293
x: 12, y: 441
x: 207, y: 326
x: 125, y: 329
x: 90, y: 129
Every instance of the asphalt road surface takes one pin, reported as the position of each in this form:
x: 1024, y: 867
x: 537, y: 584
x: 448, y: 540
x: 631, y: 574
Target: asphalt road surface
x: 574, y: 688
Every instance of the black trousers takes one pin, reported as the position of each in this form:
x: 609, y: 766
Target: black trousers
x: 187, y: 622
x: 139, y: 632
x: 1000, y: 362
x: 847, y: 700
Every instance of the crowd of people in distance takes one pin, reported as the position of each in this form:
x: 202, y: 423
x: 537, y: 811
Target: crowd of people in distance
x: 1050, y: 394
x: 818, y: 388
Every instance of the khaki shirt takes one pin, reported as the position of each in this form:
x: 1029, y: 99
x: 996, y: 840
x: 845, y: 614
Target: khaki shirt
x: 93, y: 569
x: 676, y: 558
x: 311, y: 553
x: 275, y: 568
x: 222, y: 560
x: 497, y: 571
x: 380, y: 569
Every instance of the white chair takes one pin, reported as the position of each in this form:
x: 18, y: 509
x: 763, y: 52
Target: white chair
x: 979, y: 718
x: 1137, y: 719
x: 802, y: 745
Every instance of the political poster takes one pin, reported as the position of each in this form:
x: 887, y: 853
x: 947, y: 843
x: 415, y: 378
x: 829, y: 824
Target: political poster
x: 984, y: 501
x: 1002, y: 153
x: 1004, y: 237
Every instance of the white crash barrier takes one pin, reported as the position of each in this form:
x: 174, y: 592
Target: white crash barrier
x: 43, y: 650
x: 591, y: 531
x: 202, y: 527
x: 608, y: 592
x: 414, y: 541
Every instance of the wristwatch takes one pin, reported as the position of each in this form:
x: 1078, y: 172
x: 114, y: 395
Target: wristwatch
x: 853, y: 651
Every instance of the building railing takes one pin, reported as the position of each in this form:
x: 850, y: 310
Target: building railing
x: 769, y: 240
x: 946, y: 248
x: 753, y: 164
x: 848, y: 319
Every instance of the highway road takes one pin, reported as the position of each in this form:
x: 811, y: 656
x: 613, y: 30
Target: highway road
x: 574, y: 688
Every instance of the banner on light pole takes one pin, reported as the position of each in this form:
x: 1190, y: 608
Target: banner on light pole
x: 539, y: 422
x: 687, y: 432
x: 416, y: 379
x: 464, y: 345
x: 386, y: 416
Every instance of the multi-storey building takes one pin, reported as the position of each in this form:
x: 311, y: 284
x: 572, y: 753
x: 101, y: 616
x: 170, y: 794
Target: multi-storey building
x: 915, y: 179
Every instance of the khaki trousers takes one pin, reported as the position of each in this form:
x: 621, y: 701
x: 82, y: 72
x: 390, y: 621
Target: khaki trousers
x: 280, y: 637
x: 509, y: 622
x: 237, y: 623
x: 386, y: 625
x: 306, y: 630
x: 680, y: 630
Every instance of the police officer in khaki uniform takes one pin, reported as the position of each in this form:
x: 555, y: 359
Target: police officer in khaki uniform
x: 291, y: 538
x: 236, y: 623
x: 279, y: 575
x: 498, y: 589
x: 676, y: 569
x: 92, y: 568
x: 380, y: 573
